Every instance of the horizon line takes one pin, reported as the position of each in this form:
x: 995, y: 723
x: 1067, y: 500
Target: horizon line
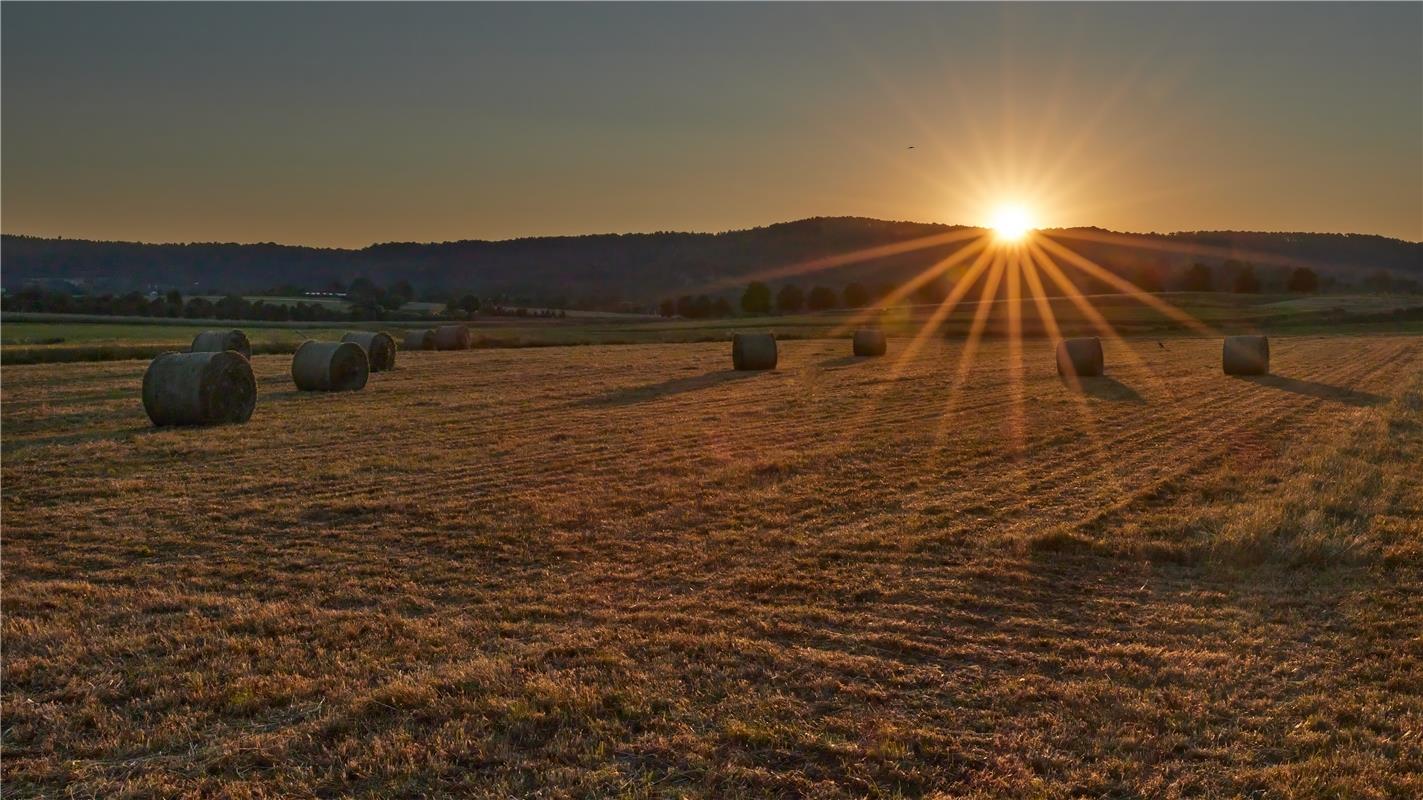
x: 688, y: 233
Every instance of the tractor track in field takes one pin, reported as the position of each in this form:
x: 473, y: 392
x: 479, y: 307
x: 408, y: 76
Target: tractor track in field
x: 543, y: 462
x: 1145, y: 442
x: 595, y: 566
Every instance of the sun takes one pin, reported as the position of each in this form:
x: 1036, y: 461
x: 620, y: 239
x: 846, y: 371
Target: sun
x: 1011, y: 223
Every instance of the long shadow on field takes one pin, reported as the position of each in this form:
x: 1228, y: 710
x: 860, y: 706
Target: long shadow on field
x: 117, y: 435
x: 1105, y: 388
x: 843, y: 361
x: 1323, y: 391
x: 641, y: 394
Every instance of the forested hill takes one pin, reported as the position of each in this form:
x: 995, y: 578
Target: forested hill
x: 640, y: 268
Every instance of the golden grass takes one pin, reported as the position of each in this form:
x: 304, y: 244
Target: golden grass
x: 630, y: 571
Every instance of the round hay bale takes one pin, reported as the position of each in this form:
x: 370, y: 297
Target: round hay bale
x: 379, y: 347
x: 419, y: 340
x: 452, y: 337
x: 199, y: 388
x: 330, y: 367
x: 753, y: 351
x: 1080, y: 357
x: 218, y: 341
x: 870, y: 342
x: 1246, y: 355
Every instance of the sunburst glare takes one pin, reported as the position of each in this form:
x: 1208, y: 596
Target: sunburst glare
x: 1011, y: 222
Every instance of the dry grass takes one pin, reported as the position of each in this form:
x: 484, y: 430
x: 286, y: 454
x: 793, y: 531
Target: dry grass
x: 630, y: 571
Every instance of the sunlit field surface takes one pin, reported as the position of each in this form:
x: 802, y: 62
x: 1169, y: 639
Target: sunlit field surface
x: 630, y: 571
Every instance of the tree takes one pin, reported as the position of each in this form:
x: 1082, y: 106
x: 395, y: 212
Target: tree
x: 684, y: 306
x: 721, y: 308
x: 403, y: 290
x: 790, y: 299
x: 1245, y: 280
x: 230, y: 306
x: 1303, y: 279
x: 821, y: 298
x: 886, y: 291
x: 197, y: 308
x: 469, y: 304
x: 856, y: 296
x: 1198, y: 278
x: 756, y: 299
x: 1380, y: 280
x: 701, y: 307
x: 668, y: 308
x: 362, y: 290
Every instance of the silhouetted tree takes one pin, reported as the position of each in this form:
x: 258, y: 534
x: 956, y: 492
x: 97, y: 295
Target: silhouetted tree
x: 790, y: 299
x: 821, y: 298
x: 701, y: 307
x: 1245, y: 280
x: 1378, y: 281
x: 1303, y: 279
x: 197, y: 308
x: 403, y: 290
x: 469, y: 304
x: 668, y: 308
x: 230, y: 307
x: 362, y: 290
x: 886, y: 290
x: 684, y: 306
x: 1198, y: 278
x: 721, y: 307
x: 756, y: 299
x: 856, y: 296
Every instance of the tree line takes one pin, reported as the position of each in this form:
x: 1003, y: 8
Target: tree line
x: 173, y: 305
x: 364, y: 301
x: 637, y: 270
x: 1230, y: 276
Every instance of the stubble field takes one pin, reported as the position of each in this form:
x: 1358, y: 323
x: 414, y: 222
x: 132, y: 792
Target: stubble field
x: 630, y: 571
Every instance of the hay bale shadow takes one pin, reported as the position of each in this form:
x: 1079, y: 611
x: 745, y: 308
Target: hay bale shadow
x: 1322, y: 391
x: 117, y: 435
x: 1104, y: 388
x: 843, y: 361
x: 642, y: 394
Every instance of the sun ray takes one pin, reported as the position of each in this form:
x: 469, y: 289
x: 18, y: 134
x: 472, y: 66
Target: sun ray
x: 1205, y: 251
x: 1015, y: 346
x: 930, y: 326
x: 1125, y: 286
x: 913, y: 284
x: 1054, y: 333
x: 966, y: 357
x: 853, y: 257
x: 1068, y: 158
x: 948, y: 304
x: 1099, y: 322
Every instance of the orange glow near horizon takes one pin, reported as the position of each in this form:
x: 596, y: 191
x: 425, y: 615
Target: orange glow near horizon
x: 1012, y: 222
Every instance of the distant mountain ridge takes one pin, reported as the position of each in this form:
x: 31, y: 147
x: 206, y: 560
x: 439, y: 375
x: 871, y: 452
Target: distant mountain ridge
x: 639, y: 268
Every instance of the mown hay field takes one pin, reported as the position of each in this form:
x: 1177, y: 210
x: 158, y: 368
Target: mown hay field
x: 630, y: 571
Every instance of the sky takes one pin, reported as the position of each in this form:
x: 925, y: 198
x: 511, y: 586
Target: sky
x: 337, y: 124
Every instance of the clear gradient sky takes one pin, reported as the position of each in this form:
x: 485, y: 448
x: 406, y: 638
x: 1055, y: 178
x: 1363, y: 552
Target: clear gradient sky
x: 347, y: 124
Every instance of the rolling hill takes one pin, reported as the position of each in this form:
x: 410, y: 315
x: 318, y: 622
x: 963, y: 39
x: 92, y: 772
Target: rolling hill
x: 639, y: 268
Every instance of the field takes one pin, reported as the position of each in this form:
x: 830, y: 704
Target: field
x: 629, y: 571
x: 57, y: 338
